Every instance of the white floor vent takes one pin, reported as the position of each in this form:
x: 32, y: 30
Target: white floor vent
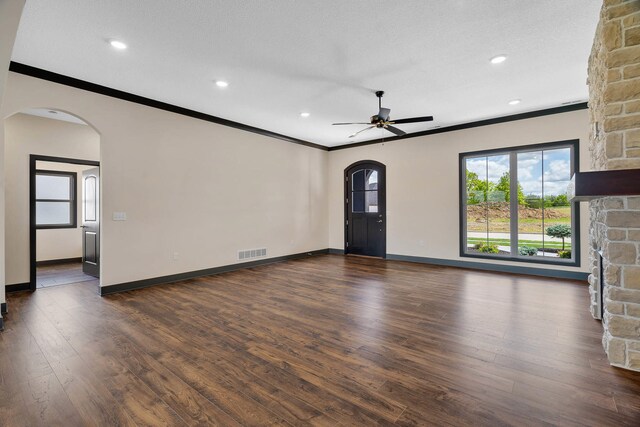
x: 252, y: 253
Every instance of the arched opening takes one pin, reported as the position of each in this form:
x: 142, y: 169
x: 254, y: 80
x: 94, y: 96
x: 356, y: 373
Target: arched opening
x: 52, y: 196
x: 365, y: 209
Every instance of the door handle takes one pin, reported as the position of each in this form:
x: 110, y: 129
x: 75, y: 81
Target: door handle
x: 83, y: 226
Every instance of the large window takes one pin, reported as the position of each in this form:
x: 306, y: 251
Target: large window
x: 514, y: 204
x: 55, y: 199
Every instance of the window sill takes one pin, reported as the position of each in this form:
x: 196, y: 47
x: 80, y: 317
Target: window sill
x: 528, y: 260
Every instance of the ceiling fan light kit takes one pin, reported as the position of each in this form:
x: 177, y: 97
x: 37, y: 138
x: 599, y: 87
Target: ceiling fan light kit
x: 382, y: 120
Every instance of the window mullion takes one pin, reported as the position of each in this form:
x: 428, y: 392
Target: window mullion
x: 486, y: 196
x: 464, y: 203
x: 513, y: 202
x: 542, y: 199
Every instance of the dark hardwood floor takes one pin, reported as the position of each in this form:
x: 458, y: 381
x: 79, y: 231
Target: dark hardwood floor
x: 61, y: 274
x: 325, y: 340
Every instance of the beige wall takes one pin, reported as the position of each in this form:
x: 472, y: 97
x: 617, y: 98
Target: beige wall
x: 62, y: 243
x: 422, y: 182
x: 10, y: 12
x: 25, y: 135
x: 188, y: 186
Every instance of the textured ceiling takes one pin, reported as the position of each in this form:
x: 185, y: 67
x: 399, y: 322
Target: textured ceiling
x: 324, y: 57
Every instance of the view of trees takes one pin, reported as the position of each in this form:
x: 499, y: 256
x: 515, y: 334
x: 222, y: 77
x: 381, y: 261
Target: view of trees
x: 479, y: 190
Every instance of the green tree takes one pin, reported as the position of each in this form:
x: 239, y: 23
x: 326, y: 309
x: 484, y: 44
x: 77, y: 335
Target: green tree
x: 561, y: 231
x: 561, y: 200
x: 471, y: 179
x: 504, y: 185
x: 533, y: 201
x: 477, y: 189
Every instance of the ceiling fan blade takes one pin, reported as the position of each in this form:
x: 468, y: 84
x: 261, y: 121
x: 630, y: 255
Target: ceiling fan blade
x: 413, y: 120
x: 360, y: 131
x: 384, y: 114
x: 395, y: 130
x: 358, y: 123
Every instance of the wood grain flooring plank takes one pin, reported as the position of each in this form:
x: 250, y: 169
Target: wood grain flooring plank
x: 26, y: 358
x: 143, y: 405
x: 52, y: 344
x: 47, y: 404
x: 192, y: 407
x: 88, y: 394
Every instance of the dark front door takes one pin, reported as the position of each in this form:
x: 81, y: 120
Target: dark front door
x: 91, y: 222
x: 365, y: 209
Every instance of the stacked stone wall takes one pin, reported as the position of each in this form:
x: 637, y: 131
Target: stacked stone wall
x: 614, y: 105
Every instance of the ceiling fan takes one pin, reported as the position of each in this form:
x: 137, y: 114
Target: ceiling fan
x: 382, y: 120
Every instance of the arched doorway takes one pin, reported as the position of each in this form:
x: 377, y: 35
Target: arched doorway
x: 365, y: 209
x: 48, y: 153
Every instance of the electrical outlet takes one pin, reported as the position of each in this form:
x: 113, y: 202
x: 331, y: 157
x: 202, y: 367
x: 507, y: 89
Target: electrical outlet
x: 176, y: 256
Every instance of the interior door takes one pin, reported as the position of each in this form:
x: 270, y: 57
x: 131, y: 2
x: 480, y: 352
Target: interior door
x: 365, y: 209
x: 91, y: 222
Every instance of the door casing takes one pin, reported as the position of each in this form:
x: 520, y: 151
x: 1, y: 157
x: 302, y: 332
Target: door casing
x: 33, y: 159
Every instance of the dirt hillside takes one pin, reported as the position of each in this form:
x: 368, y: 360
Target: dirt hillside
x: 501, y: 210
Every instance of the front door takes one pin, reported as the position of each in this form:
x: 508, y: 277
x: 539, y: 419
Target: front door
x: 365, y: 209
x: 91, y: 222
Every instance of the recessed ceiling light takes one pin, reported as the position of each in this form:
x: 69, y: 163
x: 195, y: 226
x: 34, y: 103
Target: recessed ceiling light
x: 514, y: 102
x: 221, y: 83
x: 498, y: 59
x: 117, y: 44
x: 305, y: 115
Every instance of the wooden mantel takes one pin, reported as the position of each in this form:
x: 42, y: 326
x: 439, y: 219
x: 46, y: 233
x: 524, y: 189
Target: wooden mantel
x: 592, y: 185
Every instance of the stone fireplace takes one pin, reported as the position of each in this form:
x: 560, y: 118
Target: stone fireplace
x: 614, y: 104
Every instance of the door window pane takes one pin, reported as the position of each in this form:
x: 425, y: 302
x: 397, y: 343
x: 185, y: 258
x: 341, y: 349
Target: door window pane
x: 364, y: 201
x: 90, y: 205
x: 357, y: 180
x: 371, y: 201
x: 371, y: 182
x: 364, y: 186
x: 53, y: 213
x: 53, y: 187
x: 364, y: 179
x: 358, y: 201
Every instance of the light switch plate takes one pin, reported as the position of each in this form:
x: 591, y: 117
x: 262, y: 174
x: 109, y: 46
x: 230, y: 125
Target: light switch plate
x: 119, y: 216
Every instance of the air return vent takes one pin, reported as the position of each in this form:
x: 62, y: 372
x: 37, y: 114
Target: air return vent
x: 252, y: 253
